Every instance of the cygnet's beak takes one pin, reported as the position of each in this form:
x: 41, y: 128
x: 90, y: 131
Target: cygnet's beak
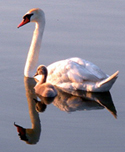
x: 35, y: 100
x: 24, y: 21
x: 36, y: 77
x: 35, y: 74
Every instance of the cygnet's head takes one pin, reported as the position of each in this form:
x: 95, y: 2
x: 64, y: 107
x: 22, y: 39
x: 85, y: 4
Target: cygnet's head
x: 42, y: 70
x: 40, y: 107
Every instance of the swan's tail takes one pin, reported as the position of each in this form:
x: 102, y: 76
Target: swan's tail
x: 107, y: 83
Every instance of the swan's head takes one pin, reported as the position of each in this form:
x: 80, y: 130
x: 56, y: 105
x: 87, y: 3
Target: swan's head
x: 33, y: 15
x: 30, y: 136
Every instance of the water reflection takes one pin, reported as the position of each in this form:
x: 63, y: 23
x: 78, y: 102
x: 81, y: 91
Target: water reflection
x: 78, y: 100
x: 30, y: 135
x: 65, y: 101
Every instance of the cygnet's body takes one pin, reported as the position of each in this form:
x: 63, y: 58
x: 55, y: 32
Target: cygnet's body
x: 42, y: 88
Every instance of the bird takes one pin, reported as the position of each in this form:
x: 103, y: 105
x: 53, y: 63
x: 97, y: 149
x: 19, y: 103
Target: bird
x: 71, y: 74
x: 42, y: 88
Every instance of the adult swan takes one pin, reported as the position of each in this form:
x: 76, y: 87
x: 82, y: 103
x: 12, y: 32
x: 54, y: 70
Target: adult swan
x: 72, y: 73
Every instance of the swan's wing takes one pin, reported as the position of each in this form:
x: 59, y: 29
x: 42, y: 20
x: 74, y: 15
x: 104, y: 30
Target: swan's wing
x: 92, y: 68
x: 74, y: 70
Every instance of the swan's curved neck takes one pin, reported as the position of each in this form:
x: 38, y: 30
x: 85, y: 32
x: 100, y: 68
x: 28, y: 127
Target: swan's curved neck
x: 34, y: 132
x: 34, y: 49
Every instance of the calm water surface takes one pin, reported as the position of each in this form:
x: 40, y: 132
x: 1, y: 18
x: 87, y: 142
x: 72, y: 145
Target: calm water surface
x: 92, y: 30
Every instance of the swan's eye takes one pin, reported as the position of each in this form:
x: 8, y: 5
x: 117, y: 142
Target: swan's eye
x: 28, y: 16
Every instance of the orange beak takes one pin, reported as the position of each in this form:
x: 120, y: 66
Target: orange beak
x: 22, y: 132
x: 24, y: 21
x: 20, y: 129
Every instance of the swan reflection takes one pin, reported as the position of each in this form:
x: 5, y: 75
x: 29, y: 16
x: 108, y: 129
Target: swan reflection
x: 65, y: 101
x: 30, y: 135
x: 71, y: 101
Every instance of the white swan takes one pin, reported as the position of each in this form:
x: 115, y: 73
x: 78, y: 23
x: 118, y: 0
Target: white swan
x: 42, y: 88
x: 72, y: 73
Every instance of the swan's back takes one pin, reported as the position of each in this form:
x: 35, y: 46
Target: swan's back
x: 74, y: 70
x: 79, y: 74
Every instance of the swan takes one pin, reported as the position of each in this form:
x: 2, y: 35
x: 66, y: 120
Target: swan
x: 70, y: 74
x: 42, y: 88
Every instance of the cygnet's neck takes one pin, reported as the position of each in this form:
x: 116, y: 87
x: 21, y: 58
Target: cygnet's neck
x: 42, y: 80
x: 34, y: 50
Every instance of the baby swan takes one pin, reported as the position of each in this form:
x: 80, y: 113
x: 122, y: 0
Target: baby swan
x: 42, y: 88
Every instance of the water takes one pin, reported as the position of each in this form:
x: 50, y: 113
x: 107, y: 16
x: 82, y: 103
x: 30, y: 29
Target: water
x: 91, y: 30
